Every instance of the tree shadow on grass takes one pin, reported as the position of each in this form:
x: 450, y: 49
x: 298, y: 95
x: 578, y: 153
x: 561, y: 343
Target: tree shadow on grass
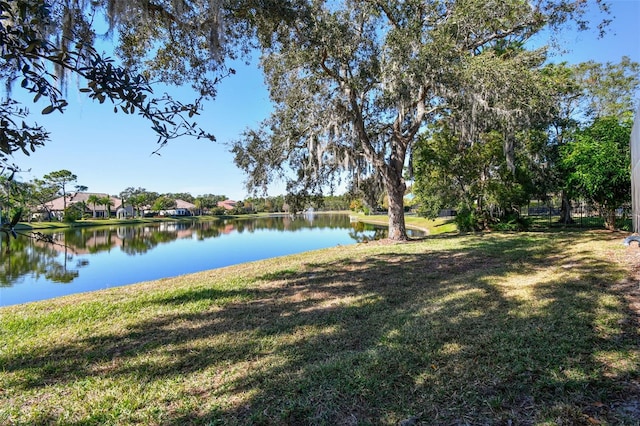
x: 438, y: 337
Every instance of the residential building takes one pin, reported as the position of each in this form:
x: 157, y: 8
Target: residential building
x: 227, y: 204
x: 182, y: 208
x: 54, y: 209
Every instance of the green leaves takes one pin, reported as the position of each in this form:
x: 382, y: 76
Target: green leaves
x: 598, y: 162
x: 42, y: 62
x: 608, y: 89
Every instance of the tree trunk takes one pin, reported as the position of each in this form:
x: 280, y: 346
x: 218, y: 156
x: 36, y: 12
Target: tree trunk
x: 395, y: 190
x: 609, y: 216
x: 565, y: 209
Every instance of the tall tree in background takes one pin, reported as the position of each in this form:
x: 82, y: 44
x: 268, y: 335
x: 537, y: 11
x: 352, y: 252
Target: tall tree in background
x: 483, y: 157
x: 457, y: 165
x: 353, y: 84
x: 475, y: 178
x: 207, y: 202
x: 164, y: 202
x: 138, y: 198
x: 586, y: 92
x: 60, y: 180
x: 598, y: 159
x: 609, y: 89
x: 41, y: 193
x: 133, y: 197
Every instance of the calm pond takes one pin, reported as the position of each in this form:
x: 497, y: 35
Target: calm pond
x: 87, y: 259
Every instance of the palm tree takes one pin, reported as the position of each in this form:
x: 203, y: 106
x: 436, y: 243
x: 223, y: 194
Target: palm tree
x: 107, y: 202
x: 199, y: 203
x: 136, y: 202
x: 94, y: 199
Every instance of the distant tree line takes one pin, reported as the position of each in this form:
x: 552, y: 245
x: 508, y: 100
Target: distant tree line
x: 27, y: 198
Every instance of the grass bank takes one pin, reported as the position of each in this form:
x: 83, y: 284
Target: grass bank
x: 522, y: 329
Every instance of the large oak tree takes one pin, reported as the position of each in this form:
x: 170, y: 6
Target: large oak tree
x: 354, y: 82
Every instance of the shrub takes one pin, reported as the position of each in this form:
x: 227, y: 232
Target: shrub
x: 217, y: 211
x: 468, y: 220
x: 355, y: 205
x: 72, y: 213
x: 512, y: 222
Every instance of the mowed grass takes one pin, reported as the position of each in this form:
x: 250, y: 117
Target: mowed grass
x: 521, y: 329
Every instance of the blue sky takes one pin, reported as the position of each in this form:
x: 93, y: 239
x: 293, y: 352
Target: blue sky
x: 110, y: 152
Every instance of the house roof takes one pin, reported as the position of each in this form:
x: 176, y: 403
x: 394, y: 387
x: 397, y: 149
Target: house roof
x: 181, y: 204
x: 227, y: 204
x: 78, y: 197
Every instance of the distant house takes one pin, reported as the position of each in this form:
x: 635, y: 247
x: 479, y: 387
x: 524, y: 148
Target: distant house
x: 227, y: 204
x: 54, y: 209
x: 182, y: 208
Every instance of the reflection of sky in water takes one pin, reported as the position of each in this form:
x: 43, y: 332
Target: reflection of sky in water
x: 114, y: 267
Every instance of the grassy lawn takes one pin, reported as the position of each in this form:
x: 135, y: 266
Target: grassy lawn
x: 430, y: 226
x: 522, y: 329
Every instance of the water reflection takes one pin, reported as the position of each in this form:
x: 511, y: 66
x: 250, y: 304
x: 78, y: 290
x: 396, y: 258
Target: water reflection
x: 100, y: 256
x: 139, y: 239
x: 26, y: 256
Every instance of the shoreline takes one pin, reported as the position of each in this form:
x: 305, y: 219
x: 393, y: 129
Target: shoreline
x: 427, y: 226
